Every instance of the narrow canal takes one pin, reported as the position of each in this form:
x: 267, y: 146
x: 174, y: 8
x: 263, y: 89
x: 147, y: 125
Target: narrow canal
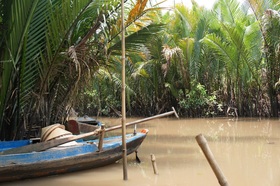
x: 247, y: 151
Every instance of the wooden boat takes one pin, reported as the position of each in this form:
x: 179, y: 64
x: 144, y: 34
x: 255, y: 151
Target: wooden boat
x: 76, y: 127
x: 83, y: 125
x: 19, y: 160
x: 88, y: 120
x: 64, y: 158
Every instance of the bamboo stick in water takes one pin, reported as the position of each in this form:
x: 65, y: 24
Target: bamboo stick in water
x: 153, y: 159
x: 202, y: 142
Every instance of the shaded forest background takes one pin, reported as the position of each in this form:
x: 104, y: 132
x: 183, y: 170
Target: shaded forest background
x: 62, y: 54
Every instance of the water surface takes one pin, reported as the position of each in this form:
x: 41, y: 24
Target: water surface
x: 247, y: 151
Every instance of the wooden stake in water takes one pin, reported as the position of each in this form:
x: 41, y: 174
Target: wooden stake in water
x: 202, y: 142
x: 153, y: 159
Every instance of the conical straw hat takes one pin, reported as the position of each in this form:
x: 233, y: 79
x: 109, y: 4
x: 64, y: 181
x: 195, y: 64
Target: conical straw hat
x: 57, y: 132
x: 46, y: 131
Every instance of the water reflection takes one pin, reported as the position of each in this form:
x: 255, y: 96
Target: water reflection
x: 247, y: 151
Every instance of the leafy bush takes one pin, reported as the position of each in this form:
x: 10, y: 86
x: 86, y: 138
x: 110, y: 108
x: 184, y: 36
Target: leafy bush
x: 198, y: 102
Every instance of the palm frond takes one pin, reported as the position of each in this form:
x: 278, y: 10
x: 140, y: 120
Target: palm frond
x: 222, y: 49
x: 229, y: 11
x: 35, y: 44
x: 19, y: 15
x: 136, y: 10
x: 136, y: 40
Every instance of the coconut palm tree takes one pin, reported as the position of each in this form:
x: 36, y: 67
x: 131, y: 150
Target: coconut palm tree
x: 139, y: 33
x: 266, y: 12
x: 51, y: 49
x: 236, y: 45
x: 46, y: 45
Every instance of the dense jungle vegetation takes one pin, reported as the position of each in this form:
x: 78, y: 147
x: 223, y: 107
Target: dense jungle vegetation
x: 59, y: 54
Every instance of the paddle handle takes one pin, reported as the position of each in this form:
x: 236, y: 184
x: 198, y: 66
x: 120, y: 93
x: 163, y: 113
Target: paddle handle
x: 143, y: 120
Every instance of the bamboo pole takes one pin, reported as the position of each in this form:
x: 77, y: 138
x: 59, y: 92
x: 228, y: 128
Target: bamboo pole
x: 143, y: 120
x: 153, y: 159
x: 202, y: 142
x: 123, y: 97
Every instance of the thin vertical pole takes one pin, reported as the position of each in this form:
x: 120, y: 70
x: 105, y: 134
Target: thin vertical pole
x: 123, y: 97
x: 101, y: 138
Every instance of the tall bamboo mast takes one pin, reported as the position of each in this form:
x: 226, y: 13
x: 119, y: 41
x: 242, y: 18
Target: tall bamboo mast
x: 123, y: 97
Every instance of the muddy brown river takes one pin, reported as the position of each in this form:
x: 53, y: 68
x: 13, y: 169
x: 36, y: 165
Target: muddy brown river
x: 247, y: 151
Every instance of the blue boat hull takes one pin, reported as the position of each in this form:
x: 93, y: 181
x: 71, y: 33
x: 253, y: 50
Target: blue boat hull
x: 64, y: 159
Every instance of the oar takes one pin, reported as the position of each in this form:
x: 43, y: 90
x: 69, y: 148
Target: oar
x: 59, y: 141
x: 47, y: 144
x: 143, y: 120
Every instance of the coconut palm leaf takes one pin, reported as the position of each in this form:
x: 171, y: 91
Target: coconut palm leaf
x: 35, y: 43
x: 222, y: 49
x: 39, y: 47
x: 18, y: 15
x: 137, y: 10
x: 136, y: 40
x: 229, y: 11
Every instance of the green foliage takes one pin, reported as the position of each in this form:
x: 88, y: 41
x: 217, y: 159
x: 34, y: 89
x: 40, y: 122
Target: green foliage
x: 220, y: 49
x: 47, y: 58
x: 198, y: 102
x: 56, y: 54
x: 106, y: 107
x: 270, y: 25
